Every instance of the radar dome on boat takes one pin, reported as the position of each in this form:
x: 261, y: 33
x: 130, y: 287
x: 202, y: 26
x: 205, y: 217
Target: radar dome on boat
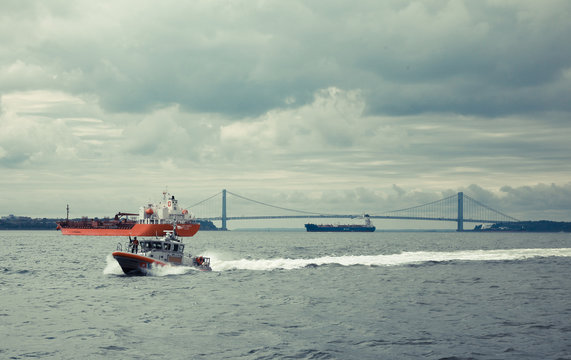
x: 149, y: 211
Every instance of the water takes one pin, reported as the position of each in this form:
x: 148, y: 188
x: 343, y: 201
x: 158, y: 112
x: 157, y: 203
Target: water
x: 291, y: 295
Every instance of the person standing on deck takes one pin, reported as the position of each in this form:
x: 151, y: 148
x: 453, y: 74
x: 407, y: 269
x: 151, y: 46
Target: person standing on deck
x: 135, y: 248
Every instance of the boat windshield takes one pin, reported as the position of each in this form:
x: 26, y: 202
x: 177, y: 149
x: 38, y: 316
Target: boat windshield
x: 159, y: 245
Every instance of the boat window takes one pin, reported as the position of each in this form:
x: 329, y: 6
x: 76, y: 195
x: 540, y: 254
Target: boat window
x: 167, y: 246
x: 181, y: 248
x: 175, y: 247
x: 148, y: 245
x: 157, y: 245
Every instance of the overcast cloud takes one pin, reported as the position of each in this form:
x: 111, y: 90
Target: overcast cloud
x: 331, y: 106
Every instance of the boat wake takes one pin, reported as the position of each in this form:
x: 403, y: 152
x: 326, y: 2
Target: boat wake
x: 404, y: 258
x: 400, y: 259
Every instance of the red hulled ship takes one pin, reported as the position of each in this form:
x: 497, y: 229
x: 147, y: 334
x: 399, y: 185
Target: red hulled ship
x: 152, y: 220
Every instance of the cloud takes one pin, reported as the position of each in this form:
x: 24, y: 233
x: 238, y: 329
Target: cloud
x: 542, y: 196
x: 40, y: 128
x: 328, y: 122
x: 368, y: 105
x: 235, y: 58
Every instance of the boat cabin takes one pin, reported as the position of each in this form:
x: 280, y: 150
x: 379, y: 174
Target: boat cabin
x: 167, y: 250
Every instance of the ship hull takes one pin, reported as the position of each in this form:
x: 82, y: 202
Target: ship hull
x: 338, y: 228
x: 185, y: 230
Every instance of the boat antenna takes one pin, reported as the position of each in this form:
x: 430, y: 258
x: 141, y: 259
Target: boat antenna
x: 67, y: 216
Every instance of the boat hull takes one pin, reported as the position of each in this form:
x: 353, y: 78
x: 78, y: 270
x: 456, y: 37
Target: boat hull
x: 184, y: 230
x: 338, y: 228
x: 134, y: 264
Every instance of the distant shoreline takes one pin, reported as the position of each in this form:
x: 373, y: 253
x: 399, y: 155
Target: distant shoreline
x: 27, y: 223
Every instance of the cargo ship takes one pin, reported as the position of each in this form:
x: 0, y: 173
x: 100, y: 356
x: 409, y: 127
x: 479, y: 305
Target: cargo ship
x: 368, y: 227
x: 152, y: 220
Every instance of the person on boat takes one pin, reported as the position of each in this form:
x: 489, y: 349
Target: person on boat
x: 135, y: 248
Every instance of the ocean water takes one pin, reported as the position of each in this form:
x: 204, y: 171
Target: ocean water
x: 291, y: 295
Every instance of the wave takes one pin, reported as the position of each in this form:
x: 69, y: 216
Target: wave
x: 404, y: 258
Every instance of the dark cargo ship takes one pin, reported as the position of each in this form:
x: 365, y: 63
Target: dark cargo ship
x: 342, y: 228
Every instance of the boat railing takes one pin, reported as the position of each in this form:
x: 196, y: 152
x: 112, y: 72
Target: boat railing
x: 206, y: 261
x: 203, y: 262
x: 129, y: 248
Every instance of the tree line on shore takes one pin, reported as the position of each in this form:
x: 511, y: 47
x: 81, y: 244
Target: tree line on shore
x: 529, y: 226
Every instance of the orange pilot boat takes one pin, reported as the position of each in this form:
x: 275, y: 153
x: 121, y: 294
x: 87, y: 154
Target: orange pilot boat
x: 143, y: 256
x: 152, y: 220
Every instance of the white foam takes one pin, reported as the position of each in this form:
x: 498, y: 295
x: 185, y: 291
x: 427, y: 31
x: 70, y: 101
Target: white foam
x: 169, y: 270
x: 112, y: 267
x: 403, y: 258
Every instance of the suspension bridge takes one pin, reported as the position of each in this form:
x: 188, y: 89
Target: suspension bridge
x: 459, y: 208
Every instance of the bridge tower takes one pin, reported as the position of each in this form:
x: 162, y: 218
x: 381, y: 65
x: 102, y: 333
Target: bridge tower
x: 224, y: 210
x: 460, y: 212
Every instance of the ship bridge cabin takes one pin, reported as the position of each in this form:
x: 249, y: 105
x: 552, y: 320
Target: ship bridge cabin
x: 166, y: 211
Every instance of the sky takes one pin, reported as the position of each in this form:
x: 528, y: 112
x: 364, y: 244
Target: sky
x: 328, y: 106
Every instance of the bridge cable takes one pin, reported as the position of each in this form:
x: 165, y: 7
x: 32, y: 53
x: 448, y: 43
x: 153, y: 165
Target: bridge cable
x: 489, y: 208
x: 419, y: 206
x: 200, y: 202
x: 274, y: 206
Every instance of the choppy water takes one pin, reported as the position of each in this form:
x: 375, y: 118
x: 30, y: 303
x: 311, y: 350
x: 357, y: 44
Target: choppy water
x: 292, y: 295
